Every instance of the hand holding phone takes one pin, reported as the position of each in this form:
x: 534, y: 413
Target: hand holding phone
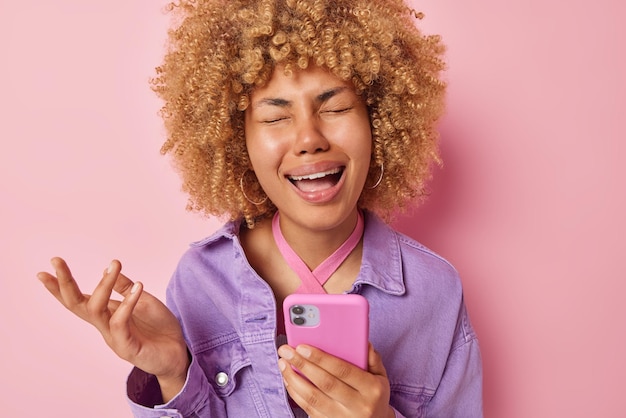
x: 336, y: 324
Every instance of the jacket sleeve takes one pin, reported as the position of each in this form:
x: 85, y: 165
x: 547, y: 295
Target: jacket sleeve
x: 195, y: 400
x: 459, y: 393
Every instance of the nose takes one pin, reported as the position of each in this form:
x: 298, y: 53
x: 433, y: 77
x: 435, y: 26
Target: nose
x: 310, y: 138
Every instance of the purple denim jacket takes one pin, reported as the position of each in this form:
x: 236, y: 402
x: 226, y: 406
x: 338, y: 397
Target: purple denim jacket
x: 418, y: 323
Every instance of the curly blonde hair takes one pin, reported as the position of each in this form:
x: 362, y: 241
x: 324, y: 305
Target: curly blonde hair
x: 222, y: 49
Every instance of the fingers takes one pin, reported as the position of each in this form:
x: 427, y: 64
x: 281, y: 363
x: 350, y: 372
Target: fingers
x: 71, y: 296
x: 123, y: 285
x: 335, y: 387
x: 317, y: 365
x: 332, y: 379
x: 51, y: 283
x: 63, y: 287
x: 302, y: 391
x: 95, y: 308
x: 99, y: 300
x: 119, y: 324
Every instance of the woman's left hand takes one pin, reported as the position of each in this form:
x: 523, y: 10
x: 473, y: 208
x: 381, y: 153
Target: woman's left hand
x: 335, y: 388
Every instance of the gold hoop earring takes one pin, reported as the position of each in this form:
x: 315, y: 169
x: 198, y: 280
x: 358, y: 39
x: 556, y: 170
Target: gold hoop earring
x: 246, y: 196
x: 382, y: 172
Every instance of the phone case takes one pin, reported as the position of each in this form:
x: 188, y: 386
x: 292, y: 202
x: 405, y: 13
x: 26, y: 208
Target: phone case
x: 336, y: 324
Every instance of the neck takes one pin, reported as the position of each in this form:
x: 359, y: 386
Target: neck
x: 314, y: 246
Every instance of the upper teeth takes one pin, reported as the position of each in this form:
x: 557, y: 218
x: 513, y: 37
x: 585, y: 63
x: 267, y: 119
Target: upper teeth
x: 315, y: 175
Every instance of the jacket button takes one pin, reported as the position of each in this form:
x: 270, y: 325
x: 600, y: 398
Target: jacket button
x: 221, y: 379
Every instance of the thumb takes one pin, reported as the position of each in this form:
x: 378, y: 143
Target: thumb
x: 375, y: 362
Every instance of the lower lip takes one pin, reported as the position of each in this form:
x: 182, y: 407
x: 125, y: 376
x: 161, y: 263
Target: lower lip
x: 321, y: 196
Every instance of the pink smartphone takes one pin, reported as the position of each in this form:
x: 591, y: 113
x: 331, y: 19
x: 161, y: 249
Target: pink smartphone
x: 336, y: 324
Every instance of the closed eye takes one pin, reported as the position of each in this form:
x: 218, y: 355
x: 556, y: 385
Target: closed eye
x: 270, y: 121
x: 342, y: 110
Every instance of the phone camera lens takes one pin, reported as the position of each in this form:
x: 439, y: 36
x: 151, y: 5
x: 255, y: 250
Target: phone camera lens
x: 299, y: 320
x: 297, y: 310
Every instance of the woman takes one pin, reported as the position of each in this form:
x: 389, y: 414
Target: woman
x: 307, y: 124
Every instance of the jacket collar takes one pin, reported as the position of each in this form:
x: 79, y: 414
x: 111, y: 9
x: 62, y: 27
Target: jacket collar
x: 381, y: 265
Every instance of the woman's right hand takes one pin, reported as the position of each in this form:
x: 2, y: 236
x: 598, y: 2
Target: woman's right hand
x: 139, y: 329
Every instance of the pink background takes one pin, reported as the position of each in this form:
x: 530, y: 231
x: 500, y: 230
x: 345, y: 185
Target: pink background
x: 529, y: 206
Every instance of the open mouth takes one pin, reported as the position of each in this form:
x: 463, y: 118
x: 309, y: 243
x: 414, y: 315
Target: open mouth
x: 317, y: 181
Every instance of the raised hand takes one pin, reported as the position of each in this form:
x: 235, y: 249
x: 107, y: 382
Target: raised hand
x: 335, y: 388
x: 139, y: 329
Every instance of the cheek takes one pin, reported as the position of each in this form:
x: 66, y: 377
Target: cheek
x: 264, y: 157
x: 362, y: 145
x: 358, y: 136
x: 256, y: 160
x: 254, y: 146
x: 262, y: 153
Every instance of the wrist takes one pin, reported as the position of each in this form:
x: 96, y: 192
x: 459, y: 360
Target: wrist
x: 172, y: 383
x: 170, y: 387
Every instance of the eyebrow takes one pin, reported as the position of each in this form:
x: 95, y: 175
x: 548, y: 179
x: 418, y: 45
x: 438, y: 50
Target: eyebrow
x: 321, y: 98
